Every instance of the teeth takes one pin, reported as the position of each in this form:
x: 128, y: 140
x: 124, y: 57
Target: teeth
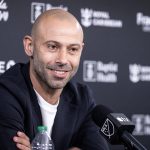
x: 60, y: 72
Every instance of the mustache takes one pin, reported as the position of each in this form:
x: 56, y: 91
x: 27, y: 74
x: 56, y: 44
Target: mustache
x: 59, y: 67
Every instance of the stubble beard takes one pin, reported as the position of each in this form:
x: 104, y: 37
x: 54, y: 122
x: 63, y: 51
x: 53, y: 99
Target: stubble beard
x: 47, y: 82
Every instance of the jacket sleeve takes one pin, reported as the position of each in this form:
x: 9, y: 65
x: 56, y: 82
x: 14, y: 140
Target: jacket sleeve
x: 11, y: 119
x: 89, y: 137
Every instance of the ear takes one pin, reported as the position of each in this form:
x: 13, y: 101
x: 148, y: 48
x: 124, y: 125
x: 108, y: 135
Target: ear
x: 83, y: 45
x: 28, y: 45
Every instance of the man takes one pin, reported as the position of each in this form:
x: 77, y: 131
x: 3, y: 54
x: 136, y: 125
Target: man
x: 41, y: 92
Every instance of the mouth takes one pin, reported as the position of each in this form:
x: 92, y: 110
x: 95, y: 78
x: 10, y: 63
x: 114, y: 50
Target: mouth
x: 59, y: 73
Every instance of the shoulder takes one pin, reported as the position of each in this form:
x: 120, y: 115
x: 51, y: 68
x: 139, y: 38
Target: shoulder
x: 79, y: 93
x: 79, y: 89
x: 12, y: 74
x: 12, y: 82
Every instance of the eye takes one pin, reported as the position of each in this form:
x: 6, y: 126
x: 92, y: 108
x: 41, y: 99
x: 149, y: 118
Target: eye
x: 52, y: 47
x: 73, y: 50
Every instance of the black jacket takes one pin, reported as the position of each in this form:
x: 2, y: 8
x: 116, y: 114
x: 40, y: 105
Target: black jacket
x: 19, y: 111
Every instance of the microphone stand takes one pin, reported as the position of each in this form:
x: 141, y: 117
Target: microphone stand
x: 131, y: 143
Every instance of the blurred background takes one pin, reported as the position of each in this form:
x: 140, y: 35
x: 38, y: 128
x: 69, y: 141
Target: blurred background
x: 116, y: 57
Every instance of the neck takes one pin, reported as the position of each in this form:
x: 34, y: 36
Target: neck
x: 50, y: 95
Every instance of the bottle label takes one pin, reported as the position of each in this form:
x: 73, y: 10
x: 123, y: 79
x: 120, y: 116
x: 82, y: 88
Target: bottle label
x: 42, y: 146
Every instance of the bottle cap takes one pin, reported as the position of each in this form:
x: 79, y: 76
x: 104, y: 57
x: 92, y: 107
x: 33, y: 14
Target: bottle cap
x: 42, y: 128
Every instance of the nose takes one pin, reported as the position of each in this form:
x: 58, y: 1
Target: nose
x: 62, y: 56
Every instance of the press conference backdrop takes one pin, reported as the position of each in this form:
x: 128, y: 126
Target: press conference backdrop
x: 116, y: 57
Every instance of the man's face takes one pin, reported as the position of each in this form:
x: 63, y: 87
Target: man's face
x: 56, y: 53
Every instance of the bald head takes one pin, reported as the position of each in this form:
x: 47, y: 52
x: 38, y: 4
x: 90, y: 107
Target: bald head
x: 50, y: 16
x: 55, y: 48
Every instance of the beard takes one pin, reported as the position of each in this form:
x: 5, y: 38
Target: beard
x: 47, y: 80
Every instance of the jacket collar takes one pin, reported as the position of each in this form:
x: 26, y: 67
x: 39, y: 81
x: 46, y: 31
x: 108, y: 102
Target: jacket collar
x: 64, y: 122
x: 37, y: 120
x: 66, y: 112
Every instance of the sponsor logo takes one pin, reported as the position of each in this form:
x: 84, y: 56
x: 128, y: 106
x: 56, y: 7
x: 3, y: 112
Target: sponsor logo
x: 143, y: 21
x: 108, y: 128
x: 38, y: 8
x: 4, y: 14
x: 142, y: 124
x: 139, y: 73
x: 6, y: 65
x: 97, y: 71
x: 91, y: 17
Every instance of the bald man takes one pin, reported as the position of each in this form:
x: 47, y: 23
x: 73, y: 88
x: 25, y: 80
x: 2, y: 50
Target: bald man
x: 41, y: 92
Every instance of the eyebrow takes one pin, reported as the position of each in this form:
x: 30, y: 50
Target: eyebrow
x: 58, y: 43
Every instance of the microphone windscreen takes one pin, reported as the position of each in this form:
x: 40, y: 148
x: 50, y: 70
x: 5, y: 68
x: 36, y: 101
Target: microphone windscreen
x: 99, y: 114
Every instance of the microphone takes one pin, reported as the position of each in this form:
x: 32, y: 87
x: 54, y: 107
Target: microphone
x: 116, y: 128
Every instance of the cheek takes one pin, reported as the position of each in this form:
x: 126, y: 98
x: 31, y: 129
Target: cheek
x: 44, y: 57
x: 42, y: 54
x: 75, y: 62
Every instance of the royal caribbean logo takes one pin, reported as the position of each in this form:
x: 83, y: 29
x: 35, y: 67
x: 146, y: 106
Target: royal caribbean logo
x: 97, y: 71
x: 139, y: 73
x: 4, y: 14
x: 38, y: 8
x: 91, y: 17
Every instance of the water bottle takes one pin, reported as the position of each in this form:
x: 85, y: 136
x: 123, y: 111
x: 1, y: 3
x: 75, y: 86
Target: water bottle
x: 42, y: 140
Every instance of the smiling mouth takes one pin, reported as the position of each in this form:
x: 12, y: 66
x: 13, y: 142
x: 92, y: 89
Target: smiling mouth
x: 59, y: 73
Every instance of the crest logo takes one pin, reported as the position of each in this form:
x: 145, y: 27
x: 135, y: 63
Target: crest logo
x: 39, y: 8
x: 86, y: 17
x: 108, y: 128
x: 36, y: 10
x: 89, y: 71
x: 139, y: 73
x: 134, y: 73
